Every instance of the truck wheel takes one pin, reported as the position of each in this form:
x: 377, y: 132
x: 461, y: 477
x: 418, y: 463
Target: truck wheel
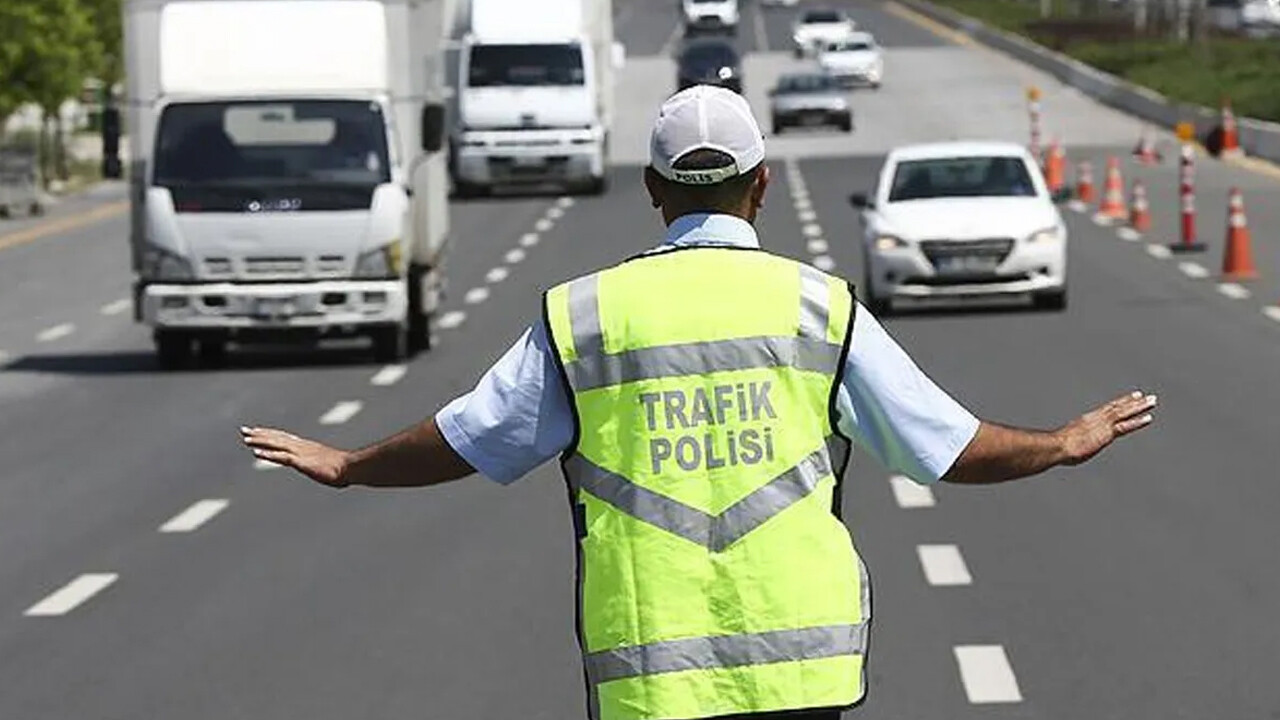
x: 1054, y: 301
x: 419, y: 319
x: 173, y: 349
x: 212, y: 351
x: 598, y: 186
x: 391, y: 344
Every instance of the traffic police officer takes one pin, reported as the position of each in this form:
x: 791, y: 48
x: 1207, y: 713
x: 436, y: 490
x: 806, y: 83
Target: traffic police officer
x: 704, y: 397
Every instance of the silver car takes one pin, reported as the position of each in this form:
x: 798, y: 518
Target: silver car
x: 808, y: 99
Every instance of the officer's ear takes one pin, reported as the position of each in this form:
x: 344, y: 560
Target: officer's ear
x: 758, y: 187
x: 653, y: 185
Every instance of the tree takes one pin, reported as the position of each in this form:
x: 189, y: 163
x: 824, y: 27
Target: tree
x: 17, y: 17
x: 105, y: 16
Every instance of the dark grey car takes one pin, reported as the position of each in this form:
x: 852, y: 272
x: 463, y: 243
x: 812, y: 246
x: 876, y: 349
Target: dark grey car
x: 809, y: 99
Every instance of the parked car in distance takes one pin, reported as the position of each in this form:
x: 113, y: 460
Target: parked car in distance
x: 809, y: 99
x: 709, y: 61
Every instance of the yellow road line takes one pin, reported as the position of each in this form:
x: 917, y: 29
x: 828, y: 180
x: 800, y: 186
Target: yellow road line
x: 71, y: 222
x: 929, y: 24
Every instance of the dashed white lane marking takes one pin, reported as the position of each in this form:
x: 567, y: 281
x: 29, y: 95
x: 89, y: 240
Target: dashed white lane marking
x: 943, y: 565
x: 910, y: 494
x: 341, y: 412
x: 817, y: 246
x: 71, y: 595
x: 115, y: 307
x: 799, y: 195
x: 811, y: 230
x: 261, y: 464
x: 496, y: 275
x: 475, y: 296
x: 1103, y: 220
x: 1235, y: 291
x: 529, y: 240
x: 555, y: 212
x: 57, y: 332
x: 514, y: 256
x: 1159, y: 252
x: 1272, y: 311
x: 824, y: 263
x: 806, y: 216
x: 389, y: 375
x: 1193, y: 270
x: 192, y: 518
x: 986, y: 674
x: 1128, y: 234
x: 803, y: 205
x: 543, y: 225
x: 1077, y: 206
x: 565, y: 202
x: 451, y: 319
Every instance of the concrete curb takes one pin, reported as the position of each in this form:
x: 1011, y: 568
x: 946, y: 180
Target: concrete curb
x: 1257, y: 137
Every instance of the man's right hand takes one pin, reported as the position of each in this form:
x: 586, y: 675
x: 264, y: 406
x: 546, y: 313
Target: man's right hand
x: 326, y: 465
x: 1089, y: 434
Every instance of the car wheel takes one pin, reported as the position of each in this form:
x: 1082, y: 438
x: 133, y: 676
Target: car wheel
x: 778, y: 127
x: 1053, y: 300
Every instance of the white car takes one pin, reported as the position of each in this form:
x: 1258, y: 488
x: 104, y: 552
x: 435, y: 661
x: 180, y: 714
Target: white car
x: 962, y: 220
x: 710, y: 16
x: 779, y: 3
x: 819, y: 27
x: 855, y: 60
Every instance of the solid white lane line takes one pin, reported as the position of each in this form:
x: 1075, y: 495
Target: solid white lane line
x: 115, y: 307
x: 451, y: 319
x: 806, y: 216
x: 1128, y: 234
x: 1235, y: 291
x: 817, y: 246
x: 193, y: 517
x: 565, y: 202
x: 476, y: 295
x: 496, y: 275
x: 514, y: 256
x: 811, y: 230
x: 71, y: 595
x: 824, y: 263
x: 1193, y: 270
x: 943, y: 565
x: 762, y: 38
x: 389, y: 375
x: 1160, y: 252
x: 1272, y: 311
x: 543, y: 225
x: 529, y: 240
x: 57, y: 332
x: 911, y: 494
x: 260, y: 464
x: 986, y: 674
x: 341, y: 412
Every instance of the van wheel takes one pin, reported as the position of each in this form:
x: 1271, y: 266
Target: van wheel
x: 173, y: 349
x: 390, y: 344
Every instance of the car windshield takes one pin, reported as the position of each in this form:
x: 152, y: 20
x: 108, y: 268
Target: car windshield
x: 817, y: 17
x: 716, y: 55
x: 272, y: 143
x: 526, y: 65
x: 961, y: 177
x: 850, y: 46
x: 805, y: 83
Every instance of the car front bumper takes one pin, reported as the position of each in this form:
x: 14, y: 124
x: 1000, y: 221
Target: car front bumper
x: 323, y: 305
x: 908, y: 273
x: 514, y: 157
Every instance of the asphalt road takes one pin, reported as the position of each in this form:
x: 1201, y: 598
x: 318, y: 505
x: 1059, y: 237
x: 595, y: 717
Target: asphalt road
x: 1140, y: 585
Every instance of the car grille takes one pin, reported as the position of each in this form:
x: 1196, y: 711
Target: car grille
x: 997, y: 248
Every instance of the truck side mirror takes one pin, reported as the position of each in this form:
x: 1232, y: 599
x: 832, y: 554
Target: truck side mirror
x: 619, y: 56
x: 432, y: 127
x: 111, y: 166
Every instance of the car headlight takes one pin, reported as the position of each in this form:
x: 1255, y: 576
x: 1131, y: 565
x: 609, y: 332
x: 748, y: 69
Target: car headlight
x: 889, y: 242
x: 165, y: 266
x: 380, y: 263
x: 1047, y: 235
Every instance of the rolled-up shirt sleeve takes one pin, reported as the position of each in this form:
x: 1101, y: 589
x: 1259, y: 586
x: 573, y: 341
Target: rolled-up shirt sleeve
x: 518, y: 415
x: 890, y: 408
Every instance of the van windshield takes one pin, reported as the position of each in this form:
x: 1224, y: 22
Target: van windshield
x: 526, y: 65
x: 272, y: 144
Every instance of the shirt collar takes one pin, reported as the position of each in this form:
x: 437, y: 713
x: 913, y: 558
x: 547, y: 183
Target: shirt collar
x: 711, y: 229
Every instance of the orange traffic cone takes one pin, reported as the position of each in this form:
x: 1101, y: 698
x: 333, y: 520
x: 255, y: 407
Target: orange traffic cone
x: 1230, y: 133
x: 1139, y: 210
x: 1237, y: 262
x: 1055, y: 169
x: 1112, y: 205
x: 1145, y: 151
x: 1084, y: 182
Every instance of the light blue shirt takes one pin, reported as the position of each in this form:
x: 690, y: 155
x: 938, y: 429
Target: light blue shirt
x: 518, y: 415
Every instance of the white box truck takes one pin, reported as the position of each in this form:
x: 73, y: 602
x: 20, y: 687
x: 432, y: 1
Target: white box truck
x: 288, y: 179
x: 535, y: 86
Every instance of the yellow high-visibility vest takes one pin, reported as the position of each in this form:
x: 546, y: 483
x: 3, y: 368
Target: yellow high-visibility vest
x: 715, y: 574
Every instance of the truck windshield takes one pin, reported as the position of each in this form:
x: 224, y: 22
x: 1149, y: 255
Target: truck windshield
x: 961, y: 177
x: 270, y: 144
x: 526, y: 65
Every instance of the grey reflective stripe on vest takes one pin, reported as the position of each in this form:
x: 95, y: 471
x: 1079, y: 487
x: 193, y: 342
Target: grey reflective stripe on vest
x: 724, y: 651
x: 589, y: 372
x: 584, y: 316
x: 815, y: 303
x: 714, y: 532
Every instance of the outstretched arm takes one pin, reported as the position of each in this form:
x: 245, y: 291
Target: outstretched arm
x: 998, y: 454
x: 416, y: 457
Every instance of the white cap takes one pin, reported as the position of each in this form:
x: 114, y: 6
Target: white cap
x: 705, y: 117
